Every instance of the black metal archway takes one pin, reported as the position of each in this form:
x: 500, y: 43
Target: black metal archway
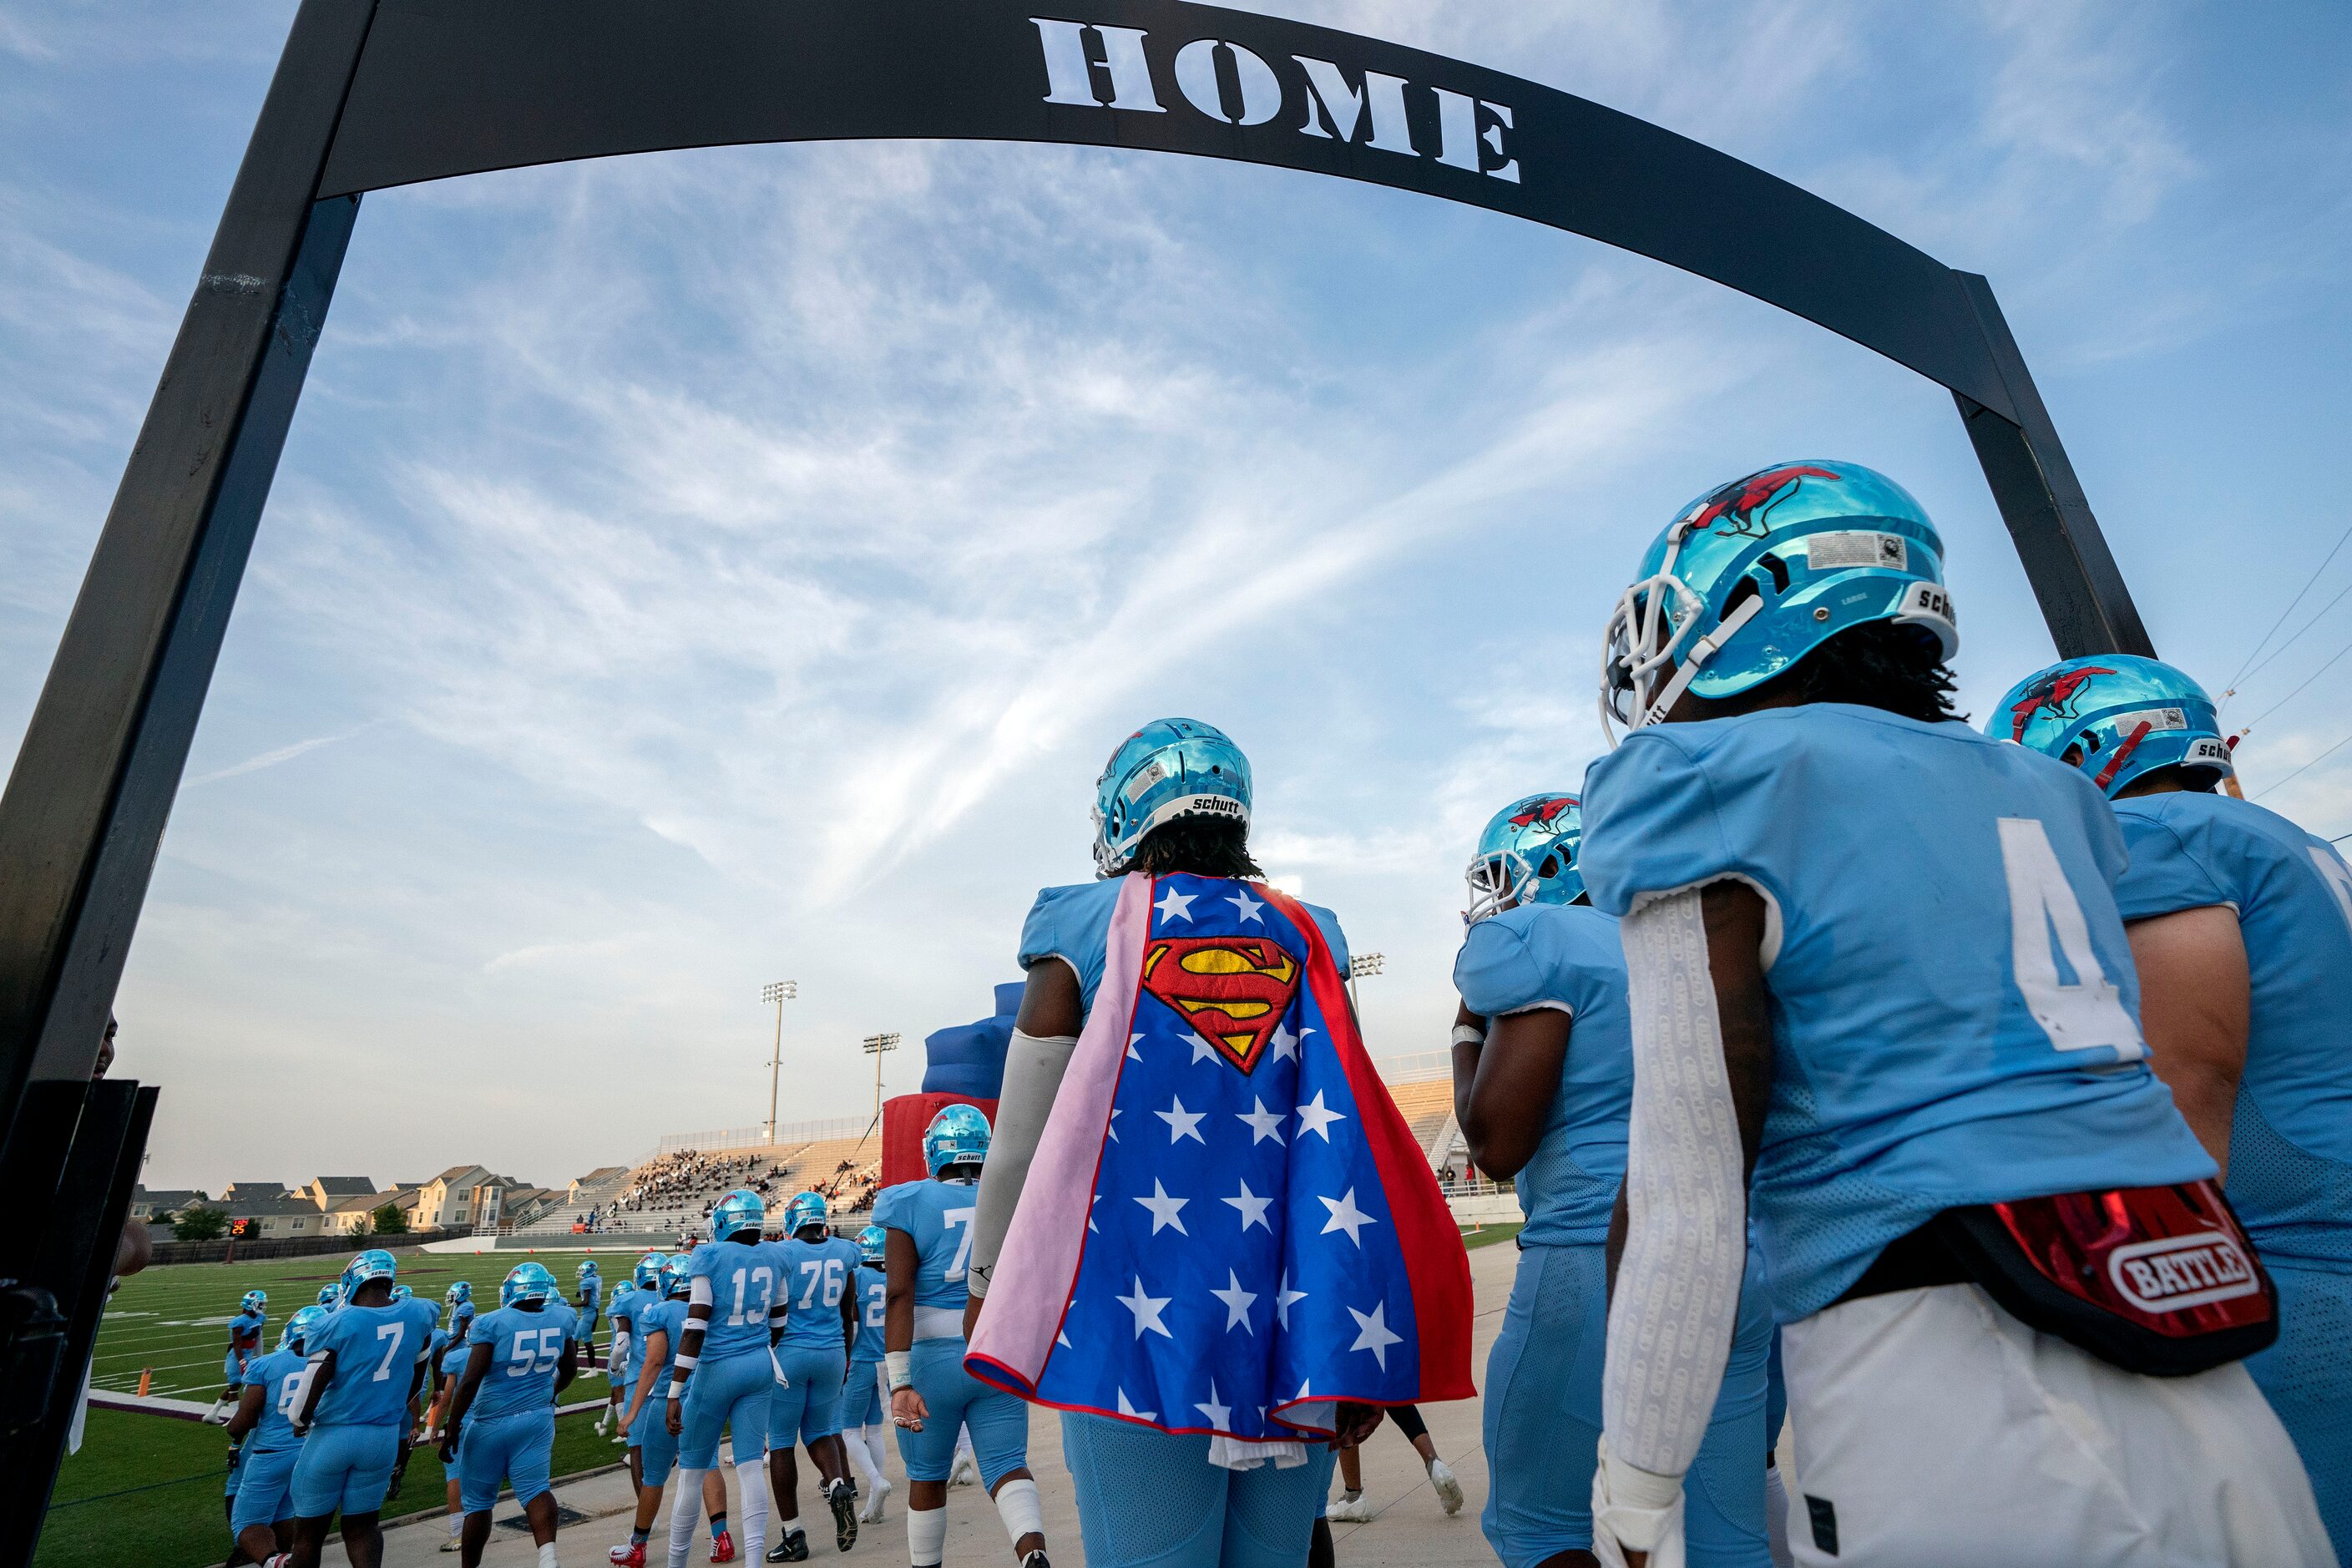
x: 373, y: 93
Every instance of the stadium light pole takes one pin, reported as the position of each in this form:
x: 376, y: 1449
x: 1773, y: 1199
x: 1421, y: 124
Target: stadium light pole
x: 876, y: 1046
x: 779, y: 993
x: 1360, y: 965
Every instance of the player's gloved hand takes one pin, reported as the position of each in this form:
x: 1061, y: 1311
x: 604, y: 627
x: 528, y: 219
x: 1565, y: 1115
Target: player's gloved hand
x: 236, y: 1456
x: 449, y: 1446
x: 1637, y: 1517
x: 907, y: 1409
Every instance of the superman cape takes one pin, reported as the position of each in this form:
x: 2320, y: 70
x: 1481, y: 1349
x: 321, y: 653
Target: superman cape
x: 1228, y: 1222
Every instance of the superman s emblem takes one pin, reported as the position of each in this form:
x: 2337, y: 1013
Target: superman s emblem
x: 1233, y: 990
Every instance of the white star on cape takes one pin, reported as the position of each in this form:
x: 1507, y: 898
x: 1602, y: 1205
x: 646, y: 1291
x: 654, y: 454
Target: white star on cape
x: 1131, y: 1048
x: 1164, y: 1210
x: 1090, y: 1213
x: 1126, y: 1409
x: 1111, y: 1126
x: 1202, y: 1050
x: 1248, y: 906
x: 1313, y: 1117
x: 1220, y: 1415
x: 1146, y: 1310
x: 1175, y: 906
x: 1282, y: 1300
x: 1237, y: 1302
x: 1346, y: 1215
x: 1286, y: 1043
x: 1253, y: 1208
x: 1264, y: 1123
x: 1374, y: 1334
x: 1183, y: 1123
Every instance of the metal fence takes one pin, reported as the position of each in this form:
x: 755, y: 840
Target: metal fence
x: 788, y: 1135
x: 257, y: 1249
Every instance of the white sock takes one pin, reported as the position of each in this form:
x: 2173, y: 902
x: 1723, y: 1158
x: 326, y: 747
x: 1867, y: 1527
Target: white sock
x: 874, y: 1440
x: 1016, y: 1505
x: 752, y: 1478
x: 456, y: 1524
x: 927, y: 1536
x: 789, y: 1525
x: 1776, y: 1519
x: 547, y: 1556
x: 685, y: 1514
x: 866, y: 1462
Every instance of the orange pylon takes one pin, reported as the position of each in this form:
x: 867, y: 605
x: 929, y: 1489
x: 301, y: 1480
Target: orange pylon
x: 146, y: 1375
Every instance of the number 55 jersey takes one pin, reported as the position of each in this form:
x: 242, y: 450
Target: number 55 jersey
x: 1953, y: 1004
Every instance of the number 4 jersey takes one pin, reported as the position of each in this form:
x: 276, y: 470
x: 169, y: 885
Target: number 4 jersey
x: 1953, y: 1001
x: 525, y: 1349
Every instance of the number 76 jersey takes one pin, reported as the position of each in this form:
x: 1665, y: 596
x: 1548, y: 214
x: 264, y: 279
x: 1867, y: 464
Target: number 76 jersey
x: 1955, y: 1014
x: 937, y: 1215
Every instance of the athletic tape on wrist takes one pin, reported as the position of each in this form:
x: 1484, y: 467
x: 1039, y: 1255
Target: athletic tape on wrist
x: 902, y: 1369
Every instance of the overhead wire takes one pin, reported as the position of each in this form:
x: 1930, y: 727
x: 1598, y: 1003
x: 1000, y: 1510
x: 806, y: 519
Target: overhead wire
x: 2231, y: 691
x: 2314, y: 762
x: 2306, y: 626
x: 2324, y: 667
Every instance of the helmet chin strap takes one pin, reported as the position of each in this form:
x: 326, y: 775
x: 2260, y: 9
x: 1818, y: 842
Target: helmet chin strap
x: 1689, y: 666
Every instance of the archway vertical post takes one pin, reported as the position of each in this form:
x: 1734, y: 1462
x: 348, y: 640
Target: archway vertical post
x: 85, y: 803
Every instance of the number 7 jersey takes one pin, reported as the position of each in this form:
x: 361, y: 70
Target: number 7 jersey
x: 938, y: 1216
x: 1953, y: 1004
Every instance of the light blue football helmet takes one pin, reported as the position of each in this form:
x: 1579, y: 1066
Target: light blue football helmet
x: 1168, y: 769
x: 803, y: 1210
x: 675, y: 1280
x: 648, y: 1274
x: 254, y: 1301
x: 1757, y: 574
x: 303, y: 1320
x: 873, y: 1244
x: 741, y: 1209
x: 1527, y: 856
x: 587, y: 1269
x: 527, y: 1282
x: 957, y: 1135
x: 375, y: 1263
x: 2115, y: 716
x: 403, y: 1294
x: 459, y: 1291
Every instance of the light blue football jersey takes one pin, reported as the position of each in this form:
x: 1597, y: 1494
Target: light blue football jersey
x: 745, y: 1282
x: 1074, y: 923
x: 667, y: 1317
x: 937, y: 1215
x: 1566, y: 956
x: 377, y: 1352
x: 1953, y: 1002
x: 244, y: 1329
x: 593, y: 1287
x: 2291, y: 1137
x: 452, y: 1360
x: 526, y: 1347
x: 873, y: 1287
x: 816, y: 1276
x: 627, y: 1302
x: 278, y: 1374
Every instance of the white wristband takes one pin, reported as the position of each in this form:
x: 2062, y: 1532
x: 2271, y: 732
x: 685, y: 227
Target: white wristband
x: 1637, y: 1508
x: 902, y: 1369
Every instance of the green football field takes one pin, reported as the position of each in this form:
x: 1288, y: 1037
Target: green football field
x: 147, y: 1489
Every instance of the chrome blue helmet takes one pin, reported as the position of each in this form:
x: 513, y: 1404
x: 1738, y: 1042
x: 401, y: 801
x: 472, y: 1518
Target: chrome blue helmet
x: 957, y: 1135
x: 741, y: 1209
x: 647, y: 1275
x: 1168, y: 769
x: 303, y: 1320
x: 1756, y: 575
x: 375, y: 1263
x: 804, y: 1209
x: 331, y: 1295
x: 873, y: 1244
x: 2115, y: 716
x: 254, y: 1301
x: 459, y: 1291
x: 526, y: 1282
x: 403, y: 1294
x: 587, y: 1267
x: 1527, y: 856
x: 675, y: 1280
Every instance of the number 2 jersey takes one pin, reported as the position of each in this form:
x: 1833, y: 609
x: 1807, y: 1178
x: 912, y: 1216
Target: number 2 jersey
x: 937, y: 1216
x: 743, y: 1283
x: 2291, y: 1137
x: 1953, y: 1001
x: 525, y: 1350
x: 873, y: 1287
x: 816, y: 1276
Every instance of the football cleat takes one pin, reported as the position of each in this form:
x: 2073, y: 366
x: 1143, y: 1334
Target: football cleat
x: 872, y: 1512
x: 722, y: 1547
x: 842, y: 1497
x: 1036, y: 1559
x: 220, y: 1411
x: 458, y: 1544
x: 957, y: 1135
x: 526, y: 1282
x: 1354, y: 1508
x: 1756, y: 575
x: 1527, y: 856
x: 1449, y: 1490
x: 792, y: 1548
x: 630, y: 1555
x: 1169, y: 768
x: 966, y: 1472
x: 2115, y: 717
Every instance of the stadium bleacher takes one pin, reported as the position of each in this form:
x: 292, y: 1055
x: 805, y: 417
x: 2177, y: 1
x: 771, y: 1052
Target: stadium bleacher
x: 674, y: 1189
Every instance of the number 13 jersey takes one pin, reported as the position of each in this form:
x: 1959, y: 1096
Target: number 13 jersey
x: 1954, y: 1008
x: 745, y: 1282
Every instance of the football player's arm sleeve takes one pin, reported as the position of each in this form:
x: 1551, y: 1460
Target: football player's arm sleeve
x: 315, y: 1378
x: 1032, y: 1077
x: 1678, y: 1286
x: 689, y: 1338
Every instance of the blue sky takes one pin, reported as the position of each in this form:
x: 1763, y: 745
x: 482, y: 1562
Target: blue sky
x: 693, y: 571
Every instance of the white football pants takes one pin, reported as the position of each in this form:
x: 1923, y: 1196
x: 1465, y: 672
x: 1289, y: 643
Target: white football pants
x: 1934, y: 1430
